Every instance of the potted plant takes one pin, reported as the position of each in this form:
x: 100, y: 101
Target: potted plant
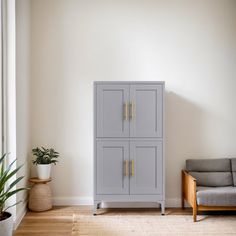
x: 7, y: 189
x: 44, y: 158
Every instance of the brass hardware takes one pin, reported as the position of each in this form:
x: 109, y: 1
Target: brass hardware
x: 126, y: 111
x: 131, y: 110
x: 126, y: 167
x: 132, y: 167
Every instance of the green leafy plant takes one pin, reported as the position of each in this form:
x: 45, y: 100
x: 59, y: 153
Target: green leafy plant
x: 45, y: 156
x: 6, y: 191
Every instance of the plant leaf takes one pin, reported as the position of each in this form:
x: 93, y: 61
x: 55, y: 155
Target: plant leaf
x: 12, y: 205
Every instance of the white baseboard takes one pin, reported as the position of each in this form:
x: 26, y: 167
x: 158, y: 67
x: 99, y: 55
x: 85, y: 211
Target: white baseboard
x: 20, y: 214
x: 173, y: 202
x: 72, y: 201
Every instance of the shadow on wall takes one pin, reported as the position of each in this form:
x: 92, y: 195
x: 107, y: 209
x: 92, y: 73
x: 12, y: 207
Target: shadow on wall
x: 184, y: 138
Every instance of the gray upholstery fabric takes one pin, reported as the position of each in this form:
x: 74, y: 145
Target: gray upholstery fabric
x: 208, y: 165
x: 216, y: 196
x: 233, y: 166
x: 213, y: 179
x: 234, y: 178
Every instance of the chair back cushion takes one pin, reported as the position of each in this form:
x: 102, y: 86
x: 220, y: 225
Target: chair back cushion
x: 211, y: 172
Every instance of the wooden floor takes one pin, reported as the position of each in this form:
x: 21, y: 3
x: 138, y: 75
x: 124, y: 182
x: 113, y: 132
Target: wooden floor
x: 59, y: 220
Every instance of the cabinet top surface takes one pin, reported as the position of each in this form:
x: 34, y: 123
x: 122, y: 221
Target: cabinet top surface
x: 129, y: 82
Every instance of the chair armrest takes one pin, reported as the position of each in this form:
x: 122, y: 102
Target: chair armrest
x: 189, y: 185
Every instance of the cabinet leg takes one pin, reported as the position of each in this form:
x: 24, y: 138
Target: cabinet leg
x: 96, y: 206
x: 99, y: 205
x: 163, y: 208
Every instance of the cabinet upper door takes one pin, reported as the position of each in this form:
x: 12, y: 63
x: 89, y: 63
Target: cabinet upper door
x: 146, y: 110
x: 146, y: 167
x: 112, y: 110
x: 112, y: 174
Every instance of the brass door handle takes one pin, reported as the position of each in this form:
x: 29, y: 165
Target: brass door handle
x: 131, y: 105
x: 132, y: 167
x: 126, y: 168
x: 125, y: 111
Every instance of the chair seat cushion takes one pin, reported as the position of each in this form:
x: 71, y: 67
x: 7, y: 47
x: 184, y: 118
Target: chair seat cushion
x: 216, y: 196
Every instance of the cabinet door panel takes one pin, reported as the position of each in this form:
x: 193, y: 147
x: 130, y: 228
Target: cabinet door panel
x: 111, y: 100
x: 147, y: 161
x: 147, y: 110
x: 111, y: 156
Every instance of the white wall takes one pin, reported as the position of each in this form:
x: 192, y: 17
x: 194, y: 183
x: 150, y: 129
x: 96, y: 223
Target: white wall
x: 188, y: 44
x: 23, y: 64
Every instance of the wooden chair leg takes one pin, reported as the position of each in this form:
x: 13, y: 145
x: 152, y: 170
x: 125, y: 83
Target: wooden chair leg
x: 182, y: 202
x: 182, y: 190
x: 194, y: 213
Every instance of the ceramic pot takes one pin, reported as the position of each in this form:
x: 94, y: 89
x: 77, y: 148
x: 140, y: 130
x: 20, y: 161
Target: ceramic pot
x: 44, y: 171
x: 6, y: 225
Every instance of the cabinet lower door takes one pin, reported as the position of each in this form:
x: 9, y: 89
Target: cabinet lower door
x: 112, y: 167
x: 146, y: 167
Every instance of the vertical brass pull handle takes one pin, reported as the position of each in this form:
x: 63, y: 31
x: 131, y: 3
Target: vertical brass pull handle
x: 126, y: 168
x: 125, y: 111
x: 132, y: 167
x: 131, y: 110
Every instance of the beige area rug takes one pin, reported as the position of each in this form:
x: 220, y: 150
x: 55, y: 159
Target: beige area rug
x: 152, y: 225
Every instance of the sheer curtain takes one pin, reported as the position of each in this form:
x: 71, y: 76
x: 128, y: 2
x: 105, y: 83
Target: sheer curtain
x: 7, y: 84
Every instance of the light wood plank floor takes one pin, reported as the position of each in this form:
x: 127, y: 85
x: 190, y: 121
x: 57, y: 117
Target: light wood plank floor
x: 59, y: 220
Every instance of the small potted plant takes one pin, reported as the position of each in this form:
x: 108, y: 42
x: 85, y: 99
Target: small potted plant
x: 7, y: 189
x: 44, y: 159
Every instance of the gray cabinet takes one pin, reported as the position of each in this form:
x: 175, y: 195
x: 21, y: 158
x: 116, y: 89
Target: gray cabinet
x: 128, y: 142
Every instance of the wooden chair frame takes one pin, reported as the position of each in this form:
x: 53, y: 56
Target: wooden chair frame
x: 189, y: 186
